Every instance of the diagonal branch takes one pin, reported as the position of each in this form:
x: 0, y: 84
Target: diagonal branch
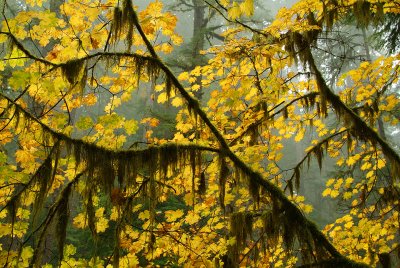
x: 277, y: 196
x: 359, y: 128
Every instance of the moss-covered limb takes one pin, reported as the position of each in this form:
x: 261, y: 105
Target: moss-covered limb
x: 358, y: 127
x: 14, y: 42
x: 73, y: 68
x: 62, y: 137
x: 268, y: 116
x: 292, y: 212
x: 318, y: 151
x: 58, y: 210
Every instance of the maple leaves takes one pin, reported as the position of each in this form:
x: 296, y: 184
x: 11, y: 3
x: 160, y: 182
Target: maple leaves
x: 222, y: 170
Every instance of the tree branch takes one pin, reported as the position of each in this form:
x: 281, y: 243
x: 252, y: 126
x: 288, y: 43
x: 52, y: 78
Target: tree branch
x: 277, y: 196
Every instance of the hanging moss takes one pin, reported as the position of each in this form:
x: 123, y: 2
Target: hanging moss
x: 91, y: 215
x: 223, y: 175
x: 128, y: 20
x: 297, y: 178
x: 44, y: 181
x: 202, y: 188
x: 329, y: 14
x: 116, y: 25
x: 124, y: 21
x: 254, y: 189
x: 62, y: 220
x: 57, y: 215
x: 168, y: 86
x: 241, y: 227
x: 73, y: 71
x: 361, y: 10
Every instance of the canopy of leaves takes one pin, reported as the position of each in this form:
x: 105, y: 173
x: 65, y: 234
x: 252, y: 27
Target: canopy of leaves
x: 74, y: 164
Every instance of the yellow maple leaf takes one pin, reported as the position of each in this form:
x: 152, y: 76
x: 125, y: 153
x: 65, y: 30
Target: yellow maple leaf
x: 173, y: 215
x: 381, y: 163
x: 162, y: 98
x: 177, y: 101
x: 80, y: 221
x: 144, y: 215
x: 101, y: 225
x: 299, y: 136
x: 234, y: 12
x: 247, y: 7
x: 326, y: 192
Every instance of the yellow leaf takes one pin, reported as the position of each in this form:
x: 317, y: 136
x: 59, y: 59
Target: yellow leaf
x: 80, y: 221
x: 130, y: 260
x: 338, y: 184
x: 326, y: 192
x: 299, y: 136
x: 173, y: 215
x: 99, y: 212
x: 162, y: 98
x: 234, y: 12
x: 381, y: 163
x: 348, y: 225
x: 330, y: 182
x: 192, y: 218
x: 351, y: 161
x: 334, y: 193
x: 114, y: 214
x: 347, y: 195
x: 349, y: 181
x: 69, y: 250
x: 144, y: 215
x: 27, y: 253
x: 101, y: 225
x: 247, y: 7
x: 183, y: 76
x: 307, y: 208
x: 25, y: 158
x: 370, y: 174
x: 130, y: 126
x: 177, y: 101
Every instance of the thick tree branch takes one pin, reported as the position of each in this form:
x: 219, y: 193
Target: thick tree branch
x: 359, y: 128
x: 277, y: 196
x: 62, y: 137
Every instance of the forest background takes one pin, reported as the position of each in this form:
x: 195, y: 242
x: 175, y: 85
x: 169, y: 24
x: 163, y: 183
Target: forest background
x: 199, y: 133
